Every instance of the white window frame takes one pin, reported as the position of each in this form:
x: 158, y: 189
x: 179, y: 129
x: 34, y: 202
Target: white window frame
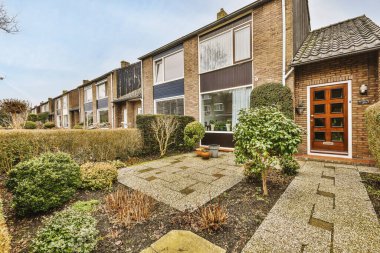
x: 234, y: 44
x: 85, y: 94
x: 63, y: 121
x: 163, y: 67
x: 85, y: 119
x: 168, y: 99
x: 232, y: 31
x: 98, y: 114
x: 105, y: 90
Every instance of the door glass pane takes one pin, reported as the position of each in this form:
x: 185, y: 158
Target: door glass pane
x: 336, y: 108
x: 337, y: 136
x: 319, y: 122
x: 319, y: 136
x: 319, y: 109
x: 337, y: 122
x: 337, y: 93
x: 319, y: 95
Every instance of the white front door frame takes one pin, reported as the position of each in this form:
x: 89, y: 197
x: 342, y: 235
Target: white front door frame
x: 349, y: 88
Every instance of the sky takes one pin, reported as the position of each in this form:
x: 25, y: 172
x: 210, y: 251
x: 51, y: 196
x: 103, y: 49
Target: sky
x: 63, y: 42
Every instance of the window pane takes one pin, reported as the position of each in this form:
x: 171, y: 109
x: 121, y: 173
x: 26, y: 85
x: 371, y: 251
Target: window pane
x: 103, y: 116
x: 159, y: 72
x: 337, y: 93
x: 88, y: 94
x: 174, y: 67
x: 65, y: 102
x: 337, y: 136
x: 170, y: 107
x: 319, y: 95
x: 216, y: 53
x: 337, y: 122
x: 319, y: 136
x: 319, y: 109
x: 336, y: 108
x: 89, y: 119
x: 102, y: 91
x: 243, y: 44
x: 319, y: 122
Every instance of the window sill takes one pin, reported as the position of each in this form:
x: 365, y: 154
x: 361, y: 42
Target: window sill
x: 219, y: 132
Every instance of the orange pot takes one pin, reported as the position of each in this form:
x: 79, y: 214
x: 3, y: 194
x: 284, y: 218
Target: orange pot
x: 198, y: 151
x: 206, y: 155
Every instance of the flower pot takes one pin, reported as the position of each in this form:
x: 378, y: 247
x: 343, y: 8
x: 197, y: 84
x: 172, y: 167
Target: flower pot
x: 214, y: 150
x: 212, y: 127
x: 205, y: 155
x: 198, y: 151
x: 228, y: 126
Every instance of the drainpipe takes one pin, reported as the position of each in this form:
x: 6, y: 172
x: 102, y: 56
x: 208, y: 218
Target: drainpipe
x: 283, y: 42
x: 113, y: 105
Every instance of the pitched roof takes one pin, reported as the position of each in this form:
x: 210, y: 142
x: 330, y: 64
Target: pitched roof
x: 352, y: 36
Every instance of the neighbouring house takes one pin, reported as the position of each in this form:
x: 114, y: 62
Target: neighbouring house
x: 210, y: 73
x: 58, y: 111
x: 48, y: 107
x: 74, y: 109
x: 66, y: 109
x: 127, y: 95
x: 35, y: 110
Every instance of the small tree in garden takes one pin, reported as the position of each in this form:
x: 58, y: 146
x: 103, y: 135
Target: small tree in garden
x: 17, y: 110
x: 262, y: 136
x: 163, y: 129
x: 194, y: 133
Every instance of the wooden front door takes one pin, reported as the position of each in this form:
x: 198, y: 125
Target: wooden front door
x: 329, y: 119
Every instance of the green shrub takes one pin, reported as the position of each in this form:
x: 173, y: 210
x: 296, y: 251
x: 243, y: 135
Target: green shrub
x: 5, y: 238
x: 32, y: 117
x: 43, y: 183
x: 144, y: 123
x: 118, y: 164
x: 289, y: 166
x: 194, y: 133
x: 30, y: 125
x: 273, y: 94
x: 262, y: 136
x: 78, y: 127
x: 372, y: 115
x: 82, y: 145
x: 98, y: 176
x: 43, y: 117
x: 49, y: 125
x: 71, y: 231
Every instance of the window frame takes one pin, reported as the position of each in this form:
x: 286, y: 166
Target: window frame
x: 105, y: 90
x: 98, y: 115
x: 85, y: 119
x: 236, y: 29
x: 85, y: 94
x: 233, y: 62
x: 162, y: 59
x: 168, y: 99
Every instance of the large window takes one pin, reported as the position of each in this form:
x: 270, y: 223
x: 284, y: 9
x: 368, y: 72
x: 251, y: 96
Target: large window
x: 169, y: 68
x: 101, y: 90
x: 64, y: 99
x: 58, y: 104
x: 220, y: 110
x: 170, y: 107
x: 89, y: 119
x: 225, y: 49
x: 58, y: 121
x: 103, y: 116
x: 65, y: 121
x: 88, y: 94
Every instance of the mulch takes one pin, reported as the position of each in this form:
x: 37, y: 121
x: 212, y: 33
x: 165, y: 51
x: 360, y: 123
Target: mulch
x: 372, y: 184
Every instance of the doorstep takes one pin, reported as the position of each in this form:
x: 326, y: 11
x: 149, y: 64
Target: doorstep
x: 341, y: 160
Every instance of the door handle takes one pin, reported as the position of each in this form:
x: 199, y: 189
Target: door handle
x: 312, y: 116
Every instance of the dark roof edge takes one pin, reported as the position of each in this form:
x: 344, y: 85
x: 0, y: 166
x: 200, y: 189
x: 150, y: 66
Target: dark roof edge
x: 204, y: 28
x: 336, y: 56
x: 341, y: 22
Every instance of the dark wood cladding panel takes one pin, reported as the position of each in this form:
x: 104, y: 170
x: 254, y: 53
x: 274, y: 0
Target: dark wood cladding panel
x: 237, y: 75
x: 225, y: 140
x: 128, y: 79
x: 74, y: 98
x: 301, y: 22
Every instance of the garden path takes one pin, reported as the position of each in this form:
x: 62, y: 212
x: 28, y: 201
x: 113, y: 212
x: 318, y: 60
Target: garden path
x: 184, y: 182
x: 325, y: 209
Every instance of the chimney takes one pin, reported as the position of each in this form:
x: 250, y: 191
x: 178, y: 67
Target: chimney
x: 124, y: 64
x: 85, y: 81
x: 221, y: 14
x: 64, y: 91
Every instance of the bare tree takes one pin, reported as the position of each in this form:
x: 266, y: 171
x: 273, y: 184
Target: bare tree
x: 7, y: 23
x: 163, y: 128
x: 17, y: 111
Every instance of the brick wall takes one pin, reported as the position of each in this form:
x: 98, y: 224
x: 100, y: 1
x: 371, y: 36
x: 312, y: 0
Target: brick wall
x: 378, y: 75
x: 147, y: 77
x: 361, y: 69
x: 191, y: 78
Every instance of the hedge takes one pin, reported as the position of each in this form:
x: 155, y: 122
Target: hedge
x: 373, y: 122
x: 5, y: 238
x: 144, y: 123
x: 83, y: 145
x: 273, y: 94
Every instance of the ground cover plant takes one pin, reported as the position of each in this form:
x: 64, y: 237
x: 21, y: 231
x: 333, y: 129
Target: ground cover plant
x: 262, y: 137
x: 43, y: 183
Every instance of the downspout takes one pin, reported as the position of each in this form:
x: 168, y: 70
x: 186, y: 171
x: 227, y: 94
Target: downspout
x: 283, y: 42
x: 113, y: 105
x: 142, y: 87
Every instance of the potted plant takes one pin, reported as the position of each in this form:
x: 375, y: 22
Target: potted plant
x: 193, y: 134
x: 228, y: 125
x: 212, y: 124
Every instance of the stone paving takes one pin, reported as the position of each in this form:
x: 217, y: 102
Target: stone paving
x: 325, y: 209
x: 184, y: 182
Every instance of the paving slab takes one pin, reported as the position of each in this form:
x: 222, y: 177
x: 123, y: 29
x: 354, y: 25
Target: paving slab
x: 184, y: 182
x: 325, y: 209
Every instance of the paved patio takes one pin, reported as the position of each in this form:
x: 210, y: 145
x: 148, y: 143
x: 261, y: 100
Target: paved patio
x: 184, y: 181
x: 325, y: 209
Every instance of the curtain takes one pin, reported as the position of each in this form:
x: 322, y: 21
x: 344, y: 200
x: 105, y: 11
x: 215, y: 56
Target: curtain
x: 243, y: 44
x: 240, y: 100
x: 174, y: 66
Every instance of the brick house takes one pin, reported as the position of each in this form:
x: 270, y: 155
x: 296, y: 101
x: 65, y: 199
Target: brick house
x: 66, y: 109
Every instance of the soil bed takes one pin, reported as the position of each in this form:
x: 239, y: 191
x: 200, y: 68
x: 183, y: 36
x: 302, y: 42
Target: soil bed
x: 372, y: 183
x: 244, y: 202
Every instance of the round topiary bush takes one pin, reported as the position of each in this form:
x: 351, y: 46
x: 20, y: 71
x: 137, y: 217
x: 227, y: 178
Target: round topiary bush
x: 43, y: 183
x: 49, y: 125
x: 33, y: 117
x: 30, y: 125
x: 273, y: 94
x: 98, y: 176
x: 193, y: 134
